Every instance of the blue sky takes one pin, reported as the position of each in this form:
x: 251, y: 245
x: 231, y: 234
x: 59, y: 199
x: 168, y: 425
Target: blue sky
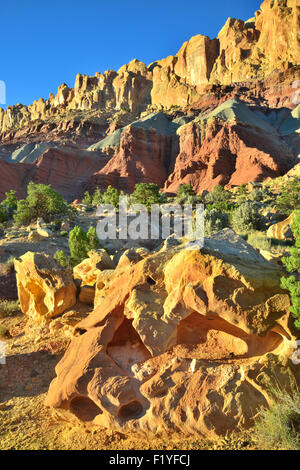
x: 46, y: 43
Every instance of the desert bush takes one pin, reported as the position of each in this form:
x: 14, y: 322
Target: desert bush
x: 292, y: 264
x: 10, y: 200
x: 279, y: 425
x: 218, y: 195
x: 259, y: 242
x: 147, y: 194
x: 289, y: 198
x: 256, y: 195
x: 42, y: 201
x: 63, y: 259
x: 214, y: 221
x: 92, y: 239
x: 246, y: 218
x: 9, y: 308
x: 97, y: 197
x: 187, y: 195
x: 80, y: 243
x: 4, y: 215
x: 184, y: 191
x: 111, y: 196
x: 87, y: 199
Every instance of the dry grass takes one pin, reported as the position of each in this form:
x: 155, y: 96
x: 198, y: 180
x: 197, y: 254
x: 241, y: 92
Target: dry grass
x: 278, y: 427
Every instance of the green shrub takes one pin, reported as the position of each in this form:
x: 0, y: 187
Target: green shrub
x: 4, y: 216
x: 279, y: 426
x: 292, y: 264
x: 78, y: 244
x: 92, y: 239
x: 289, y: 199
x: 97, y: 197
x: 42, y: 201
x: 147, y: 194
x: 10, y: 199
x: 218, y: 195
x: 23, y: 215
x: 111, y: 196
x: 214, y: 221
x: 256, y: 195
x: 246, y: 218
x: 62, y: 259
x: 184, y: 191
x: 9, y: 308
x: 87, y: 199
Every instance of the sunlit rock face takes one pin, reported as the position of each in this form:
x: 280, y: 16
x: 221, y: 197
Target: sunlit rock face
x: 181, y: 340
x: 266, y: 44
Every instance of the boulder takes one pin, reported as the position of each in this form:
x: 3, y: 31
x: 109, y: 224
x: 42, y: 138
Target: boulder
x: 178, y: 343
x: 282, y: 230
x: 87, y: 271
x: 45, y: 289
x: 34, y: 236
x: 87, y: 295
x: 44, y: 232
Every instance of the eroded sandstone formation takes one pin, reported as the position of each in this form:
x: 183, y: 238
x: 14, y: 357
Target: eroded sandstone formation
x: 242, y: 52
x: 45, y: 289
x: 114, y: 115
x: 181, y: 340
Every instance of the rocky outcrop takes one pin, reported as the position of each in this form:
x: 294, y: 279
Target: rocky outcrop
x: 230, y: 146
x: 89, y: 269
x: 66, y: 170
x: 178, y: 342
x: 146, y: 151
x: 117, y: 115
x: 242, y: 52
x: 45, y: 289
x: 282, y: 230
x: 13, y: 176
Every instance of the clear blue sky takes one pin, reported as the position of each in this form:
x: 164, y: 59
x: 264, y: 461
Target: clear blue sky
x: 47, y: 42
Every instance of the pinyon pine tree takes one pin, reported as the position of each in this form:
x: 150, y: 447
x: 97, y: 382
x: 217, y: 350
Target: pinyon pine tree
x: 292, y: 264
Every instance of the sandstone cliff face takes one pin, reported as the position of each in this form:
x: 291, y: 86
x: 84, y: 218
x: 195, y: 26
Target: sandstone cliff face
x: 255, y: 62
x: 178, y: 342
x: 243, y: 52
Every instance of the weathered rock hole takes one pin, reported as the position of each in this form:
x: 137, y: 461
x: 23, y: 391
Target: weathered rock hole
x: 84, y: 408
x: 126, y: 347
x: 214, y: 337
x: 132, y: 410
x: 80, y: 331
x: 151, y: 281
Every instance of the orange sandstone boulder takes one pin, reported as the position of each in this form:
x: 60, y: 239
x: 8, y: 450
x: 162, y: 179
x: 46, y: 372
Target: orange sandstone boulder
x: 45, y: 289
x: 179, y: 343
x: 88, y: 270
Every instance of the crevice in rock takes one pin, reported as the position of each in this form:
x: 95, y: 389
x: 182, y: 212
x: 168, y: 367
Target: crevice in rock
x: 126, y: 348
x: 132, y: 410
x: 84, y: 408
x: 214, y: 337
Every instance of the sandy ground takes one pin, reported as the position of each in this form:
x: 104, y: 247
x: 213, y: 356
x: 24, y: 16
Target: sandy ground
x: 25, y: 423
